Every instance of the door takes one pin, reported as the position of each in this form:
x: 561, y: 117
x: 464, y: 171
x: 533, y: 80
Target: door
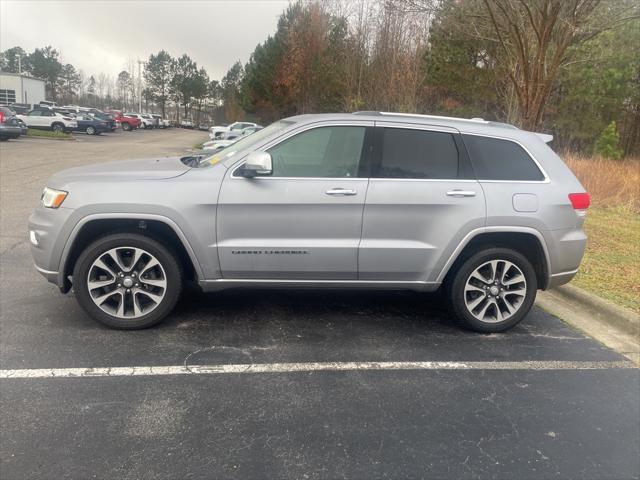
x: 35, y: 119
x: 421, y: 202
x: 304, y: 221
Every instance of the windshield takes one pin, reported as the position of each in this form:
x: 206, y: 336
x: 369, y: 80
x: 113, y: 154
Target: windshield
x: 246, y: 142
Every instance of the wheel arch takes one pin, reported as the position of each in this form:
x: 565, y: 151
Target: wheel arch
x: 158, y: 227
x: 527, y: 241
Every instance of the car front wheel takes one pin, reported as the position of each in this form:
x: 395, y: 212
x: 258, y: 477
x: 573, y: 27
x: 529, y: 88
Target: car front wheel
x: 127, y: 281
x: 57, y: 127
x: 492, y: 290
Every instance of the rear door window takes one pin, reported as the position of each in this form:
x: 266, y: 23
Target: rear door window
x: 420, y: 154
x: 499, y: 159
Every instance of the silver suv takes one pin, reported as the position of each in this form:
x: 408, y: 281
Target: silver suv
x: 481, y: 209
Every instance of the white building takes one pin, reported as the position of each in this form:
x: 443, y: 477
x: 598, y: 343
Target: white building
x: 15, y: 88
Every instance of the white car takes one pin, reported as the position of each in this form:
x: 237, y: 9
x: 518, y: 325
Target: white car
x: 46, y: 118
x: 215, y: 145
x: 220, y: 132
x: 144, y: 122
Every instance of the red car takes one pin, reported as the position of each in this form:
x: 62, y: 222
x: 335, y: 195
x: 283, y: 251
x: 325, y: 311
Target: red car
x: 127, y: 123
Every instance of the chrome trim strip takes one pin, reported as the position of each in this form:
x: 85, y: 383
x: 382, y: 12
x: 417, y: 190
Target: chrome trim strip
x: 45, y: 272
x: 568, y: 272
x: 222, y: 283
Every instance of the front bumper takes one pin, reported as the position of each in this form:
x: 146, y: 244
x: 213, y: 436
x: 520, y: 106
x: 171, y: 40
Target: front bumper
x: 48, y: 234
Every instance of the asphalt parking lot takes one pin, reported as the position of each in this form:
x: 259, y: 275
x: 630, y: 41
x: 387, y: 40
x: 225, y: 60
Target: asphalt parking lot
x: 288, y: 384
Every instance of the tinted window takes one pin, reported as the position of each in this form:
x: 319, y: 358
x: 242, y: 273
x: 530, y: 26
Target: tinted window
x: 321, y: 152
x: 410, y: 153
x: 35, y: 113
x: 496, y: 159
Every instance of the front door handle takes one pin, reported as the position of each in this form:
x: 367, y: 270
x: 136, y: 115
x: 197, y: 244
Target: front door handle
x: 461, y: 193
x: 341, y: 191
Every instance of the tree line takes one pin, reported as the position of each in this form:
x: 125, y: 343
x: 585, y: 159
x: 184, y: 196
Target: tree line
x: 569, y: 67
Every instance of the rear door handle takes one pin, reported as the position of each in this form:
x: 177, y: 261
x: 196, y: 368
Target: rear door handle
x: 341, y: 191
x: 461, y: 193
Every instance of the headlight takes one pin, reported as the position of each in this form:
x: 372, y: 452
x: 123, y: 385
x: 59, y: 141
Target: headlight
x: 52, y: 198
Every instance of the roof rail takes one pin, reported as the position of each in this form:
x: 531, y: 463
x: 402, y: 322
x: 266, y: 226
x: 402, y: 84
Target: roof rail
x: 435, y: 117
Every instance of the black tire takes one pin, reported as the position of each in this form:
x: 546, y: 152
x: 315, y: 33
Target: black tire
x: 171, y: 267
x: 57, y: 127
x: 4, y: 139
x: 455, y: 290
x: 126, y: 127
x: 91, y: 130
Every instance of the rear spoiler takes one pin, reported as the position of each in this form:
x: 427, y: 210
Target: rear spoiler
x: 544, y: 137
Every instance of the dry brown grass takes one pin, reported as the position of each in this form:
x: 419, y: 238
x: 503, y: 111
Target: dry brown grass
x: 610, y: 183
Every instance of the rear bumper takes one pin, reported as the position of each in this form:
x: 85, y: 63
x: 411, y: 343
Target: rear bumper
x: 10, y: 131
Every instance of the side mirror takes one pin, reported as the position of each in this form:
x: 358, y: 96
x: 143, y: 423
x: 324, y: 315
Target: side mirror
x: 257, y: 163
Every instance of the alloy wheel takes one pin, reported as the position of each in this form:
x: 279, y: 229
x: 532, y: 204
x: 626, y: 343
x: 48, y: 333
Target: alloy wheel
x: 495, y: 291
x: 127, y: 282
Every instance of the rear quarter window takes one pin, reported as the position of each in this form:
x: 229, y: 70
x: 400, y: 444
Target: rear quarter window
x: 498, y: 159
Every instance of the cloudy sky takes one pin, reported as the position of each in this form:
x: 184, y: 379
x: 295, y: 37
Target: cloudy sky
x: 102, y: 36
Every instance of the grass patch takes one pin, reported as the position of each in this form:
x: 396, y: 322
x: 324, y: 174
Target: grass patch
x: 35, y: 133
x: 611, y: 265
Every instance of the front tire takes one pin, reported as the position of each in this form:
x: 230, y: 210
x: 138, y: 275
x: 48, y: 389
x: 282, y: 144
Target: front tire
x: 91, y: 130
x: 127, y: 281
x: 126, y: 127
x: 58, y: 127
x: 493, y: 290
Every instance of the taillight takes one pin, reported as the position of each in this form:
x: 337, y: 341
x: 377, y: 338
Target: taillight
x: 580, y: 201
x: 1, y: 117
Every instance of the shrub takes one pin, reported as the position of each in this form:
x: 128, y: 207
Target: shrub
x: 608, y: 143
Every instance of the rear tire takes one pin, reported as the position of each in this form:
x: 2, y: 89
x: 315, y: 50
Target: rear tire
x: 90, y: 130
x: 492, y: 291
x: 126, y: 127
x: 127, y: 281
x: 58, y: 127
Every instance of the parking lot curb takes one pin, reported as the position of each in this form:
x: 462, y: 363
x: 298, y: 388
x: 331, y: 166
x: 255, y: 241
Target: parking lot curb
x: 614, y: 326
x: 71, y: 139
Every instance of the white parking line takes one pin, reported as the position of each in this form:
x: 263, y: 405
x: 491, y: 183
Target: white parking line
x: 154, y: 371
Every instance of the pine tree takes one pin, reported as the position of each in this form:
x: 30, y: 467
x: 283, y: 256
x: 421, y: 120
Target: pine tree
x: 608, y: 143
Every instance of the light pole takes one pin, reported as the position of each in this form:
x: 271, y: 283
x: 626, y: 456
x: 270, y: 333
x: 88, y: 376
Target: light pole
x: 140, y: 62
x: 21, y: 80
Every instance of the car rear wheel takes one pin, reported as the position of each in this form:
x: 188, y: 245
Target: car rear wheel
x: 492, y: 290
x: 127, y: 281
x: 91, y: 130
x: 58, y: 127
x: 126, y: 127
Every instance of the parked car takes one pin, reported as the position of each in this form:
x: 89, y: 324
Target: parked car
x: 9, y: 124
x: 23, y: 127
x: 105, y: 117
x: 20, y: 108
x: 250, y: 130
x: 220, y: 131
x: 166, y: 123
x: 159, y: 121
x: 91, y: 125
x: 126, y: 122
x: 153, y: 121
x: 186, y: 124
x: 46, y: 118
x: 204, y: 127
x: 144, y: 122
x: 485, y: 211
x: 47, y: 104
x: 216, y: 145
